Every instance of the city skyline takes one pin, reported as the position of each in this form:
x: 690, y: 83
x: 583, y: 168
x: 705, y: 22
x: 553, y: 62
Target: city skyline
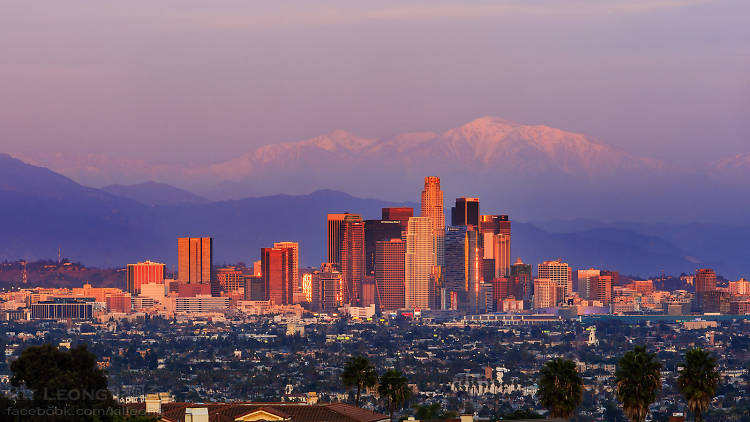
x: 402, y: 210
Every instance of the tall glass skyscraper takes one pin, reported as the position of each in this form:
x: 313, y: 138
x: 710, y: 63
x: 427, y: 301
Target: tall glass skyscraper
x: 432, y: 206
x: 419, y: 263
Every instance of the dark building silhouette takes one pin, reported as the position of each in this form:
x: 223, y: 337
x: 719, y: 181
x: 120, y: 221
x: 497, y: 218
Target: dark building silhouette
x: 522, y: 281
x: 454, y: 274
x: 375, y: 231
x: 465, y: 212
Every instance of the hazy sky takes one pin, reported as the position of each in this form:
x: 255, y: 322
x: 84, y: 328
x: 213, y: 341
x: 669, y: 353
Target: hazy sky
x: 202, y: 80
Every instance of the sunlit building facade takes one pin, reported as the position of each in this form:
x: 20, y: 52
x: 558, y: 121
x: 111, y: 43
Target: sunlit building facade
x: 143, y: 273
x: 420, y: 261
x: 195, y: 260
x: 390, y: 274
x: 352, y: 255
x: 559, y: 272
x: 433, y: 207
x: 294, y: 247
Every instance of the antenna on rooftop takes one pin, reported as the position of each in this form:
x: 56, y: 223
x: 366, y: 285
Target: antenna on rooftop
x: 59, y: 254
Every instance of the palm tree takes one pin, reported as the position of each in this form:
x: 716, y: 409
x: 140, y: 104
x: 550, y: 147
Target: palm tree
x: 359, y: 373
x: 560, y: 388
x: 638, y: 379
x: 394, y: 388
x: 698, y: 380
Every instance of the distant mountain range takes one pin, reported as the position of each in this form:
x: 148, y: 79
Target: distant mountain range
x: 42, y: 211
x: 533, y: 171
x: 154, y: 193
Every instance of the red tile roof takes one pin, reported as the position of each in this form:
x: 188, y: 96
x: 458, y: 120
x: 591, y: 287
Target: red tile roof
x: 293, y: 412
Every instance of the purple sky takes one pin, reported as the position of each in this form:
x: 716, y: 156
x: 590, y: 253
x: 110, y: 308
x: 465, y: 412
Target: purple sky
x: 197, y: 80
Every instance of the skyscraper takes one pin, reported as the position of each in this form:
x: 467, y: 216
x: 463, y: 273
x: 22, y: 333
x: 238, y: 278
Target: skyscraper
x: 419, y: 263
x: 326, y: 288
x: 143, y: 273
x: 454, y: 273
x: 545, y: 293
x: 375, y: 231
x: 705, y: 281
x: 495, y: 231
x: 494, y: 224
x: 352, y: 257
x: 400, y: 214
x: 473, y: 270
x: 587, y: 280
x: 432, y: 207
x: 602, y: 289
x: 277, y: 270
x: 294, y: 247
x: 228, y: 279
x: 334, y: 237
x: 501, y: 254
x: 195, y: 260
x: 390, y: 273
x: 559, y: 272
x: 522, y: 281
x: 465, y: 212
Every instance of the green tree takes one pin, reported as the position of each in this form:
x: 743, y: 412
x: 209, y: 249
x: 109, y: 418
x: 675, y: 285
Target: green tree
x: 430, y: 411
x: 66, y: 380
x: 560, y: 388
x: 698, y: 380
x: 359, y: 373
x: 638, y: 379
x: 394, y: 389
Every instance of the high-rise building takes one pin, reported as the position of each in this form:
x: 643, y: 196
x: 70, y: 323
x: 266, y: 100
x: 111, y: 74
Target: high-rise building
x: 334, y: 237
x: 740, y: 287
x: 367, y: 291
x: 432, y: 207
x: 454, y: 273
x: 376, y: 231
x: 705, y: 281
x: 277, y: 270
x: 352, y: 257
x: 587, y: 280
x: 545, y: 293
x: 465, y: 212
x: 501, y: 290
x: 473, y: 271
x: 559, y: 272
x: 390, y: 274
x: 195, y: 260
x: 495, y: 243
x: 602, y: 289
x: 255, y: 288
x: 419, y: 263
x: 501, y: 254
x: 494, y: 224
x: 400, y: 214
x: 294, y: 247
x: 143, y: 273
x: 327, y: 288
x: 522, y: 281
x: 229, y: 279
